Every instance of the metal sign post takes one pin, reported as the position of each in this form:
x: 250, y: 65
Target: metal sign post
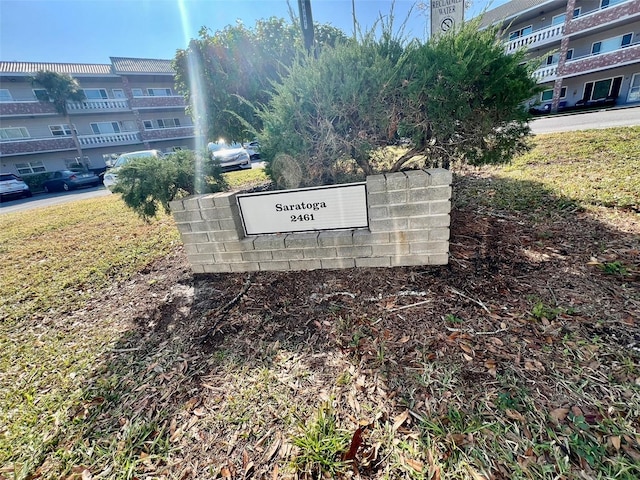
x: 306, y: 23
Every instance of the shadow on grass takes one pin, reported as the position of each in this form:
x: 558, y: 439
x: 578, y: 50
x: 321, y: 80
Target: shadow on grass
x: 518, y: 338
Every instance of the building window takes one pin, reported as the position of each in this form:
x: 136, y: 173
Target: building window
x: 553, y: 59
x: 558, y: 19
x: 5, y: 95
x: 626, y: 39
x: 576, y: 12
x: 61, y: 130
x: 105, y: 127
x: 41, y: 94
x: 95, y: 93
x: 546, y: 95
x: 148, y: 125
x: 612, y: 44
x: 522, y: 32
x: 118, y: 93
x: 563, y: 92
x: 159, y: 92
x: 168, y: 122
x: 570, y: 54
x: 634, y: 89
x: 607, y: 87
x: 13, y: 133
x: 595, y: 48
x: 30, y: 167
x: 137, y: 92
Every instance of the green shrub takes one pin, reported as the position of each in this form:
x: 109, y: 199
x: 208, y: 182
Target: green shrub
x: 148, y: 183
x: 36, y: 180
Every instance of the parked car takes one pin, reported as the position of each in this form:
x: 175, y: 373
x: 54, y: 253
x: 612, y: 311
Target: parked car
x: 253, y: 148
x: 13, y: 186
x: 65, y: 180
x: 230, y: 155
x: 111, y: 175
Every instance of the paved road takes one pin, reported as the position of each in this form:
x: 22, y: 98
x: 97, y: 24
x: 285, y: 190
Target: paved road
x: 614, y: 117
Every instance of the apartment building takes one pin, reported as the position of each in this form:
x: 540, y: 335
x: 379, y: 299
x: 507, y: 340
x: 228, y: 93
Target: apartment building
x: 130, y: 105
x: 589, y: 49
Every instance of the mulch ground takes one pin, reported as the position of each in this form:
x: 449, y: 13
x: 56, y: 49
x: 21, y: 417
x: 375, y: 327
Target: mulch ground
x: 519, y: 288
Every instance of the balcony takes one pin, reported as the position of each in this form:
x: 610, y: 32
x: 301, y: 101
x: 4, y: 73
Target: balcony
x: 169, y: 133
x: 123, y: 138
x: 537, y: 38
x: 23, y: 108
x: 92, y: 106
x: 174, y: 101
x: 545, y: 74
x: 621, y: 11
x: 589, y: 63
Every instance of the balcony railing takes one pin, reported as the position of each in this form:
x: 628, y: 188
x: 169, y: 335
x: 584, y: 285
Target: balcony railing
x: 546, y: 73
x: 536, y: 38
x: 612, y: 3
x: 622, y: 56
x: 92, y: 105
x: 109, y: 138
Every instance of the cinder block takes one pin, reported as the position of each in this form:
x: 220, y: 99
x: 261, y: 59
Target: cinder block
x: 396, y: 181
x: 378, y: 212
x: 288, y: 254
x: 408, y: 236
x: 223, y: 235
x: 353, y: 252
x: 228, y: 257
x: 192, y: 249
x: 217, y: 268
x: 210, y: 213
x: 225, y: 199
x: 195, y: 238
x: 268, y: 242
x: 201, y: 258
x: 417, y: 179
x: 440, y: 176
x: 390, y: 250
x: 185, y: 216
x: 387, y: 198
x: 225, y: 213
x: 245, y: 267
x: 438, y: 208
x: 437, y: 234
x: 210, y: 247
x: 439, y: 259
x: 230, y: 224
x: 430, y: 194
x: 376, y: 183
x: 320, y: 252
x: 409, y: 210
x: 197, y: 268
x: 176, y: 206
x: 260, y: 256
x: 243, y: 245
x: 301, y: 240
x: 205, y: 226
x: 338, y: 262
x: 390, y: 225
x: 429, y: 247
x: 431, y: 221
x: 409, y: 260
x: 305, y: 264
x: 206, y: 201
x: 365, y: 237
x: 183, y: 227
x: 333, y: 238
x: 191, y: 203
x: 373, y: 262
x: 274, y: 266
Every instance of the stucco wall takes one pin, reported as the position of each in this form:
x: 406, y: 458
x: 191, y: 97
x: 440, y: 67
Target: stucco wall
x: 408, y: 225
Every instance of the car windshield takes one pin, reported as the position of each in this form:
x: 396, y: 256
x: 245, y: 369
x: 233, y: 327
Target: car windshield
x: 129, y: 156
x: 7, y: 177
x: 218, y: 146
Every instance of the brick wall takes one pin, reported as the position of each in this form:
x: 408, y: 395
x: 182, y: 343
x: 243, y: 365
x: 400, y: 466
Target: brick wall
x: 408, y: 225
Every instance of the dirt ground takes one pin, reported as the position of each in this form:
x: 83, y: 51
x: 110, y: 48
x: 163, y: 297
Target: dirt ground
x: 519, y: 289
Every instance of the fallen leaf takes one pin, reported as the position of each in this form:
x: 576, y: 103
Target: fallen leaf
x: 514, y: 415
x: 400, y: 419
x: 468, y: 358
x: 615, y: 441
x: 559, y: 414
x: 356, y: 441
x: 415, y: 464
x: 466, y: 348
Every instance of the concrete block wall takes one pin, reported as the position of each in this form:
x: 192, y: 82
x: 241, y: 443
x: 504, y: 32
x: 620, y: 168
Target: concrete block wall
x: 408, y: 225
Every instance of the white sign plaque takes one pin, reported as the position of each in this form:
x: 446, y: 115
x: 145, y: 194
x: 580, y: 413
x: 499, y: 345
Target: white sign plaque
x: 446, y: 15
x: 305, y: 209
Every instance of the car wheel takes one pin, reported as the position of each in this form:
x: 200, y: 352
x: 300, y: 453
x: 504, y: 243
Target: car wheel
x: 65, y: 187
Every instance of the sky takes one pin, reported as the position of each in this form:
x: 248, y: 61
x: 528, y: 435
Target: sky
x: 91, y: 31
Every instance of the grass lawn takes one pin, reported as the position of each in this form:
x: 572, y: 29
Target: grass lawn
x: 519, y: 362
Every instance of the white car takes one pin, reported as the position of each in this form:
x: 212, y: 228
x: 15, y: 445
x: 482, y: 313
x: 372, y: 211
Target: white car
x: 111, y: 175
x: 12, y: 185
x: 229, y: 155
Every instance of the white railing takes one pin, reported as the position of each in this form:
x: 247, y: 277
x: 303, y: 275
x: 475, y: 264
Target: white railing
x: 546, y: 73
x: 109, y: 104
x: 536, y: 38
x: 126, y: 137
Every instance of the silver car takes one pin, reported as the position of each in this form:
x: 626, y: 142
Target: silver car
x: 111, y: 175
x: 13, y: 186
x: 230, y: 155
